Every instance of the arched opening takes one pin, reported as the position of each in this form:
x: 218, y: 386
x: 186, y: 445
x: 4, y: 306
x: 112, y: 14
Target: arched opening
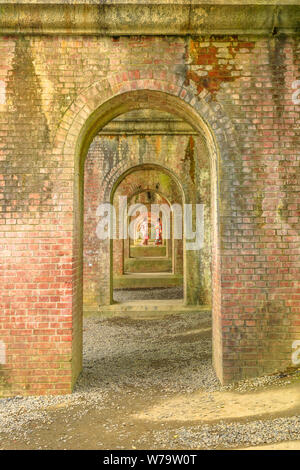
x: 148, y: 263
x: 162, y: 248
x: 120, y: 105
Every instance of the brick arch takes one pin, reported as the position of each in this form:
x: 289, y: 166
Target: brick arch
x: 104, y: 101
x: 124, y: 171
x: 126, y: 183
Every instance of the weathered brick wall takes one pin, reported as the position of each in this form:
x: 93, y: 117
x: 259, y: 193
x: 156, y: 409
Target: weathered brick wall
x: 245, y: 90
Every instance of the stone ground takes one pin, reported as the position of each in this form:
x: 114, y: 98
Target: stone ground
x: 125, y: 295
x: 148, y: 383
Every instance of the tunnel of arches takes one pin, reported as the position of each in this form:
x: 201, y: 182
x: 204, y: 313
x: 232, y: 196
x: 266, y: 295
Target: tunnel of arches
x: 152, y: 158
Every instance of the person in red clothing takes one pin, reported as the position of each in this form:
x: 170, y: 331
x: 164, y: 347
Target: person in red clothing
x: 158, y: 232
x: 144, y: 231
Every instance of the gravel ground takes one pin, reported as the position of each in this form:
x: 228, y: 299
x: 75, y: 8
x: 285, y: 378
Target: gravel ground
x: 138, y: 361
x: 232, y: 435
x: 124, y: 295
x: 145, y: 354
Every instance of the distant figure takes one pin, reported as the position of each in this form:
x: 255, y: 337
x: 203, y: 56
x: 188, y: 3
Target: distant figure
x: 158, y: 232
x: 144, y: 231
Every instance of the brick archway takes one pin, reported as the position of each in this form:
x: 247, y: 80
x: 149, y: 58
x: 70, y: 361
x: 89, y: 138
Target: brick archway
x: 129, y: 183
x: 97, y: 106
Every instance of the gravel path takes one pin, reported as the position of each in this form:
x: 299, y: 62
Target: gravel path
x: 232, y: 435
x: 124, y: 295
x: 128, y: 364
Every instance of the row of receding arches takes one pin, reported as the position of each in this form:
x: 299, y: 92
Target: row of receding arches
x: 99, y: 290
x: 152, y: 194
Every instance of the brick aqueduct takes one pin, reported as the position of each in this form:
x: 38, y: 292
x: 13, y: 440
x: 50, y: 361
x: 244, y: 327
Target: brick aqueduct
x: 200, y: 97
